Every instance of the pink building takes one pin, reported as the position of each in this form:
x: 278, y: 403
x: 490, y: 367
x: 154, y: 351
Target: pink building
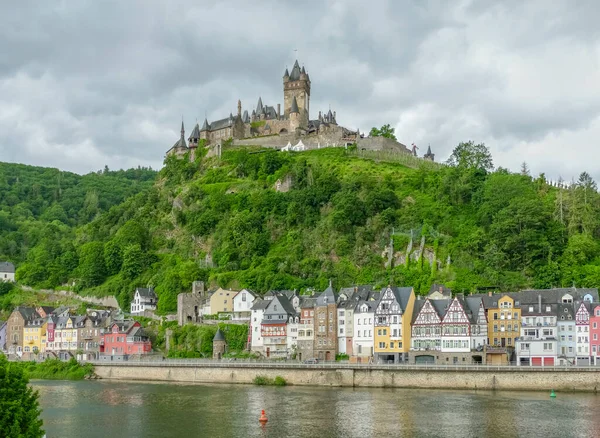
x: 124, y: 338
x: 595, y: 334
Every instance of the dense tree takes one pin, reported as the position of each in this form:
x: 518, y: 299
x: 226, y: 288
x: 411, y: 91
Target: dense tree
x: 385, y: 131
x: 19, y: 407
x: 471, y: 156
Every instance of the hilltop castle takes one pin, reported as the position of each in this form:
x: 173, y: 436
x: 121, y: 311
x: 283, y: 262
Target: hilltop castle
x: 270, y: 127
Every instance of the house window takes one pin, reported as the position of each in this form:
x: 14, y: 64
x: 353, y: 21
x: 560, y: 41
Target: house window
x: 243, y: 297
x: 382, y: 345
x: 391, y: 345
x: 547, y: 346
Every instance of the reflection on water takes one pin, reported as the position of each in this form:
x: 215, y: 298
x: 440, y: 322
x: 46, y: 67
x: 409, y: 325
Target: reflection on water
x: 117, y: 409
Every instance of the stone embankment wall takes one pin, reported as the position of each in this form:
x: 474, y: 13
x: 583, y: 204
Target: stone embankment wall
x: 500, y: 378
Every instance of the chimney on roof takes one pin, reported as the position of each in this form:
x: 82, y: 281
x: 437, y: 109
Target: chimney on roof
x: 334, y: 114
x: 540, y: 302
x: 319, y: 115
x: 490, y: 293
x: 278, y: 111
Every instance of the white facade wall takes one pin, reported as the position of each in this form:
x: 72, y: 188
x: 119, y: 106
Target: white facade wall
x: 456, y: 344
x: 363, y: 331
x: 242, y: 305
x: 256, y: 341
x: 292, y: 335
x: 7, y: 276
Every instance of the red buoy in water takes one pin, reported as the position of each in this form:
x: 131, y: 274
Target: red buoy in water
x: 263, y: 418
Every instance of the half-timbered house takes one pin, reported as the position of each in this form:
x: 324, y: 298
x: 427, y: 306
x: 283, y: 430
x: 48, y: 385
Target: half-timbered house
x: 393, y: 316
x: 456, y: 327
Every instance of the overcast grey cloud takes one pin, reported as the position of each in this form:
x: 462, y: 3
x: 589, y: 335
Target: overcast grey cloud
x: 89, y: 83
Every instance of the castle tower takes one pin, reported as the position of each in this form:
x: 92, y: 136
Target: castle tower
x: 429, y: 156
x: 294, y: 115
x: 297, y: 85
x: 204, y: 131
x: 219, y: 345
x: 193, y: 141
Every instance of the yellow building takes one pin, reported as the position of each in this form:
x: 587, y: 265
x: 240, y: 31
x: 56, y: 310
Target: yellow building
x: 221, y: 300
x: 504, y: 321
x: 393, y: 315
x: 34, y: 333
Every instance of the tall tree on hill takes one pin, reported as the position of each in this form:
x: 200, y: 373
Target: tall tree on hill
x: 385, y: 131
x: 471, y: 156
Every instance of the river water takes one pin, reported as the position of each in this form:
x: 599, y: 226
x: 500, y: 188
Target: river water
x: 117, y: 409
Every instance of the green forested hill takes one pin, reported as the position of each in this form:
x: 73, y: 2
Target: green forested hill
x: 40, y: 209
x: 222, y: 221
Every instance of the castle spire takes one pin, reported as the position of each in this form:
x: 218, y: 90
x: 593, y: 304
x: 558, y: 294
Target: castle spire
x: 204, y: 125
x: 182, y: 131
x: 286, y: 74
x: 259, y: 106
x: 294, y: 108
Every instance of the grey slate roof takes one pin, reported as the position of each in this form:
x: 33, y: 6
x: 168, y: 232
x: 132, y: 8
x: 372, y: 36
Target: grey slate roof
x: 27, y: 312
x: 286, y: 73
x: 417, y: 308
x: 195, y: 135
x: 7, y: 267
x: 473, y: 304
x: 308, y: 302
x: 326, y: 297
x: 294, y: 108
x: 287, y: 305
x: 295, y: 75
x: 259, y: 106
x: 402, y: 295
x: 428, y: 150
x: 440, y: 306
x: 219, y: 336
x: 245, y: 117
x: 145, y: 292
x: 205, y: 126
x: 260, y: 304
x: 565, y: 310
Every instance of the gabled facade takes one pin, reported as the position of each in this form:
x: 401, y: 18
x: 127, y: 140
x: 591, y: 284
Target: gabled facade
x: 325, y: 345
x: 456, y: 327
x: 363, y: 325
x: 427, y: 325
x: 567, y: 342
x: 538, y: 344
x: 393, y: 316
x: 122, y: 339
x: 582, y: 333
x: 478, y: 323
x: 274, y: 327
x: 144, y: 299
x: 242, y: 305
x: 15, y: 328
x: 33, y: 333
x: 306, y: 328
x: 504, y: 321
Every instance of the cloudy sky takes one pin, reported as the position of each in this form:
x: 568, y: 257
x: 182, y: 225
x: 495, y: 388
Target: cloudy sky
x: 88, y: 83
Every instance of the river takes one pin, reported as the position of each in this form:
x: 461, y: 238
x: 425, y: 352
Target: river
x: 122, y: 409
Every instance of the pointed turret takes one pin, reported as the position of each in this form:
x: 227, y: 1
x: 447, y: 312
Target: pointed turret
x: 303, y: 71
x: 294, y: 107
x: 245, y: 117
x: 205, y: 126
x: 295, y: 75
x: 429, y: 156
x: 195, y: 135
x: 286, y: 74
x: 259, y: 106
x: 182, y: 130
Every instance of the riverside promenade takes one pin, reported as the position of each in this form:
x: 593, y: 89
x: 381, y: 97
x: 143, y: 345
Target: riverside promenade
x: 335, y: 374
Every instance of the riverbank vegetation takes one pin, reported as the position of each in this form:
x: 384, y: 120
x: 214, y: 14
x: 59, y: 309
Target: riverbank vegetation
x: 267, y: 381
x: 19, y: 406
x: 196, y: 341
x: 55, y: 369
x: 464, y: 224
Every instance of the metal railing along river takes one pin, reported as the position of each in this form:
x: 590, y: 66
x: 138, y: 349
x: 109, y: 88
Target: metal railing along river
x: 240, y: 363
